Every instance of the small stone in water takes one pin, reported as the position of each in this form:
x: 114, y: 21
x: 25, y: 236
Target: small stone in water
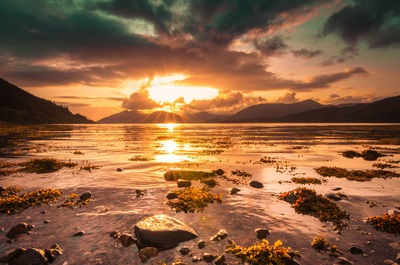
x: 220, y: 235
x: 184, y: 183
x: 233, y: 191
x: 207, y: 257
x: 46, y: 221
x: 147, y: 252
x: 80, y: 233
x: 126, y: 240
x: 171, y: 195
x: 221, y: 260
x: 184, y: 251
x: 119, y: 169
x: 114, y: 234
x: 262, y: 233
x: 256, y: 184
x: 85, y: 196
x: 201, y: 244
x: 355, y: 250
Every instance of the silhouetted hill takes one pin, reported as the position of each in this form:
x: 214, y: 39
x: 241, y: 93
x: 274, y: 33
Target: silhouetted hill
x: 205, y: 117
x: 382, y: 111
x: 137, y: 117
x: 124, y: 117
x: 19, y: 106
x: 274, y: 110
x: 164, y: 117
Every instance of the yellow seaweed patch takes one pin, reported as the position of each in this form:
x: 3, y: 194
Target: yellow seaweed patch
x: 14, y: 203
x: 37, y: 165
x: 389, y: 223
x: 308, y: 202
x: 321, y: 244
x: 193, y: 199
x: 73, y: 201
x: 263, y: 253
x: 307, y: 180
x: 357, y: 175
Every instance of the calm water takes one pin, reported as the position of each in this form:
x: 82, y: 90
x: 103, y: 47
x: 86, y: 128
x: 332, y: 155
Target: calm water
x: 146, y: 152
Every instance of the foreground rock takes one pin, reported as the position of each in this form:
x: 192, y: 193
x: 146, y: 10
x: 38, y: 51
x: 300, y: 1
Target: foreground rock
x: 19, y: 229
x: 162, y: 232
x: 184, y: 183
x: 146, y: 253
x: 256, y: 184
x: 31, y: 256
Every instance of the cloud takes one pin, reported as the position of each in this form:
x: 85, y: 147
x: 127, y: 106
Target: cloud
x: 140, y: 100
x: 92, y: 98
x: 335, y: 99
x: 307, y: 54
x: 272, y: 46
x: 288, y: 98
x: 326, y: 80
x: 227, y: 103
x: 375, y: 21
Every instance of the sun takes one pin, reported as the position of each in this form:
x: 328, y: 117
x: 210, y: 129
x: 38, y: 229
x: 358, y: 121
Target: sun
x: 165, y: 89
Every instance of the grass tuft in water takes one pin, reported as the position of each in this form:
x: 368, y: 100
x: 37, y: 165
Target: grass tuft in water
x: 263, y: 253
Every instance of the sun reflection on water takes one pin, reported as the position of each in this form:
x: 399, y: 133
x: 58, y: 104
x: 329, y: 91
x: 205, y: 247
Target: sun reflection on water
x: 169, y: 147
x: 169, y: 126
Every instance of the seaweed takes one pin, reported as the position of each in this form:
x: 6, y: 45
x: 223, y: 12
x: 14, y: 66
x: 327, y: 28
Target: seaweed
x: 73, y: 201
x: 307, y: 180
x: 308, y: 202
x: 37, y: 165
x: 262, y: 253
x: 356, y: 175
x: 11, y: 202
x: 321, y: 244
x: 193, y: 199
x: 389, y: 223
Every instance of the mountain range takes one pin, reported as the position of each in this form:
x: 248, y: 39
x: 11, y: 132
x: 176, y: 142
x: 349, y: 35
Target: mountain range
x: 383, y: 111
x: 19, y: 106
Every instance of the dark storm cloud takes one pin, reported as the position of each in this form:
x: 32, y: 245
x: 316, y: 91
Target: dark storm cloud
x: 99, y: 48
x: 224, y: 20
x: 36, y: 29
x: 159, y: 15
x: 305, y: 53
x: 375, y: 21
x: 326, y: 80
x: 271, y: 46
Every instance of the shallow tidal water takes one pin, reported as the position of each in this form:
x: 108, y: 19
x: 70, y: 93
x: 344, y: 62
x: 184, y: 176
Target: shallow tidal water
x: 146, y: 152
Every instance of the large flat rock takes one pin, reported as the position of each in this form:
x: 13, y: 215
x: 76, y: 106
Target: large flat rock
x: 163, y: 232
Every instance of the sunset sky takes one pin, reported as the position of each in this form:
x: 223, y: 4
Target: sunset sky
x: 100, y: 57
